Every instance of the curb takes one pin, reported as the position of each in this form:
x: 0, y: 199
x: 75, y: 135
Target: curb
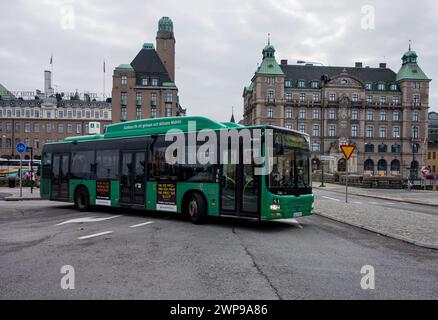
x: 382, y: 233
x: 379, y: 197
x: 21, y: 199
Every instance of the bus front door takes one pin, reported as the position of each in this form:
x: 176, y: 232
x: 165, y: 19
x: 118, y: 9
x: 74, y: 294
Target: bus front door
x: 60, y: 169
x: 132, y: 183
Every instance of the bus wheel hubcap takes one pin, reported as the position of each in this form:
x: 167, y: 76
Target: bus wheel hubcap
x: 193, y: 208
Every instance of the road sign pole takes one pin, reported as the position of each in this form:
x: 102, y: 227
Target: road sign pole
x: 21, y: 175
x: 348, y: 152
x: 346, y: 185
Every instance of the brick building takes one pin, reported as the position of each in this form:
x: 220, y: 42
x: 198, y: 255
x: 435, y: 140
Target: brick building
x: 39, y: 121
x: 146, y: 88
x: 385, y: 114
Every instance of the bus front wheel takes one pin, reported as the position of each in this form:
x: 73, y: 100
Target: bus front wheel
x: 82, y: 199
x: 197, y: 208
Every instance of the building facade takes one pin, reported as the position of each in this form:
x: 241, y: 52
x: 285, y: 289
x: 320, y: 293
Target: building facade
x: 432, y: 155
x: 383, y: 113
x: 39, y: 121
x: 146, y: 88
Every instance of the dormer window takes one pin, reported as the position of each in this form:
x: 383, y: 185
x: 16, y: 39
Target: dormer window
x: 369, y: 86
x: 288, y: 84
x: 144, y: 81
x: 394, y: 87
x: 155, y: 82
x: 344, y: 82
x: 315, y: 84
x: 124, y: 80
x: 381, y: 87
x: 301, y: 84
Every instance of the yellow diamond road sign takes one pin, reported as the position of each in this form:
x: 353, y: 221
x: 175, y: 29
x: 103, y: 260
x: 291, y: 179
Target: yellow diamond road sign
x: 348, y: 151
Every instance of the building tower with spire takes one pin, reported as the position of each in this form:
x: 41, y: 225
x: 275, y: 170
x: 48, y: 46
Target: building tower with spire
x: 166, y: 45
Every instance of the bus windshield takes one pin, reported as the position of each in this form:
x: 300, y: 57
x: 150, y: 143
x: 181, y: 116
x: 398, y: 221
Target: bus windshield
x: 291, y: 165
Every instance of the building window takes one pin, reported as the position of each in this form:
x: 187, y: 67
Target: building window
x: 301, y: 84
x: 36, y: 143
x: 17, y: 127
x: 88, y: 114
x: 48, y: 127
x: 155, y: 82
x: 96, y: 114
x: 332, y: 97
x: 36, y: 127
x: 355, y: 115
x: 354, y: 131
x: 60, y: 114
x: 396, y: 132
x: 60, y: 128
x: 315, y: 147
x: 270, y: 80
x: 124, y: 80
x: 415, y: 116
x: 270, y: 113
x: 332, y: 130
x: 8, y: 126
x: 168, y: 98
x: 138, y: 98
x: 332, y: 114
x: 106, y: 115
x: 416, y: 99
x: 79, y: 114
x: 37, y: 113
x: 138, y: 113
x: 69, y: 128
x: 381, y: 87
x: 153, y: 113
x: 383, y: 148
x: 27, y: 114
x: 302, y: 128
x: 288, y: 84
x: 315, y: 84
x: 289, y: 126
x: 289, y: 113
x: 144, y: 81
x: 396, y: 148
x: 303, y: 114
x: 369, y: 148
x: 302, y: 97
x: 168, y: 112
x: 370, y: 131
x: 9, y: 113
x: 415, y: 132
x: 383, y: 132
x: 396, y: 116
x: 369, y: 99
x: 123, y: 114
x: 124, y: 99
x: 315, y: 130
x: 315, y: 114
x: 270, y: 95
x: 154, y: 99
x: 383, y: 115
x: 355, y: 98
x: 70, y: 114
x: 315, y: 97
x: 394, y: 87
x: 78, y: 128
x: 27, y: 127
x: 288, y: 97
x: 383, y: 99
x: 17, y: 113
x: 396, y: 100
x: 370, y: 116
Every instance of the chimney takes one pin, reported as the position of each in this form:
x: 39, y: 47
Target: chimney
x: 48, y: 90
x: 359, y: 65
x: 382, y: 66
x: 284, y: 62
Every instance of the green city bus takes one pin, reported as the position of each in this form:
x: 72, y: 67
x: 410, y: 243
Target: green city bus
x: 126, y: 167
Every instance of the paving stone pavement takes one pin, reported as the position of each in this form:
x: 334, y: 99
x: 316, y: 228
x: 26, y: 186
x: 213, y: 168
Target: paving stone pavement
x: 13, y: 194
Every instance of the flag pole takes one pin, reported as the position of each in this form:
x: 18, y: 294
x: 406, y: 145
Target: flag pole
x: 104, y: 71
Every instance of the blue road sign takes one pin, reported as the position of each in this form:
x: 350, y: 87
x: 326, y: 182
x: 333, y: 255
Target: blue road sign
x: 21, y: 148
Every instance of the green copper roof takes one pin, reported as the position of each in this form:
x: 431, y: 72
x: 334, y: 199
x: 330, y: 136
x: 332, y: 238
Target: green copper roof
x: 165, y: 25
x: 148, y: 46
x: 125, y: 67
x: 250, y: 88
x: 269, y: 64
x: 410, y: 69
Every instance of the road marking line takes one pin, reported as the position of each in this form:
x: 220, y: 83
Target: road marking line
x: 95, y: 235
x: 357, y: 202
x: 87, y: 219
x: 374, y: 203
x: 333, y: 199
x: 390, y: 203
x: 141, y: 224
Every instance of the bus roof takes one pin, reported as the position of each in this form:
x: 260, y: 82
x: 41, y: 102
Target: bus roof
x: 159, y: 126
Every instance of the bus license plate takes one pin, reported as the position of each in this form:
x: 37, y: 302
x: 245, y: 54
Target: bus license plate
x: 298, y: 215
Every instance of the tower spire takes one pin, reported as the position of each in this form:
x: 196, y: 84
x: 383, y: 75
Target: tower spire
x: 269, y: 39
x: 410, y: 42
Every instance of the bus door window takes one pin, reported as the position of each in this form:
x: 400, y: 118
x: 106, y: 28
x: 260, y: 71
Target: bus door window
x: 139, y: 178
x: 229, y: 179
x: 125, y: 177
x: 249, y: 184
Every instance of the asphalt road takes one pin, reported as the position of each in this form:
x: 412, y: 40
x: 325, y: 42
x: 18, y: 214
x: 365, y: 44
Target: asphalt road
x: 157, y: 256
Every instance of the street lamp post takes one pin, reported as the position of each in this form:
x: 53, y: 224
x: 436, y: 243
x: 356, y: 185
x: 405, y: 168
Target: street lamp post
x: 413, y: 168
x: 324, y: 80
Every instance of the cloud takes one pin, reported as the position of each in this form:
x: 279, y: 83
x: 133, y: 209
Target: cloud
x: 219, y: 43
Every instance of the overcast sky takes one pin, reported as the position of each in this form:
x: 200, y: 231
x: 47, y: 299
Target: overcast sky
x: 219, y: 43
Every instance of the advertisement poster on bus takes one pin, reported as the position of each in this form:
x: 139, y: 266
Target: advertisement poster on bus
x: 166, y: 197
x: 103, y: 193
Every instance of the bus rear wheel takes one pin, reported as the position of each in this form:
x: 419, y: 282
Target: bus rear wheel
x: 82, y: 199
x: 197, y: 208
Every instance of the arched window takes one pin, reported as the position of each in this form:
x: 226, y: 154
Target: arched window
x: 369, y: 147
x: 368, y: 166
x: 396, y: 148
x: 382, y: 166
x: 395, y: 166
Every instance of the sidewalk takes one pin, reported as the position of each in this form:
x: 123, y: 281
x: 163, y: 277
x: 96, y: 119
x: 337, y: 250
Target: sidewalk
x: 8, y: 194
x: 417, y: 228
x: 415, y: 196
